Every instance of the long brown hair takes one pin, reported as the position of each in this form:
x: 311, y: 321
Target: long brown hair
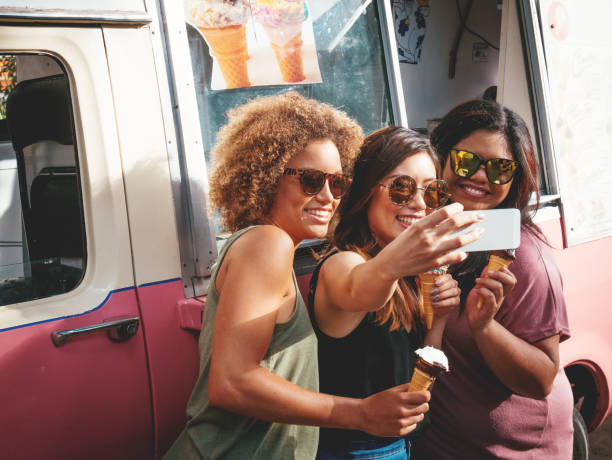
x: 381, y: 152
x: 490, y: 116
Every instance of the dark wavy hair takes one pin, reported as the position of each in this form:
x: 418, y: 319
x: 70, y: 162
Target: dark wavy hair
x: 381, y: 152
x: 477, y: 115
x: 490, y: 116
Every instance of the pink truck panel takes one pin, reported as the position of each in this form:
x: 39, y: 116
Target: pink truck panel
x: 586, y: 281
x: 172, y: 353
x: 89, y: 398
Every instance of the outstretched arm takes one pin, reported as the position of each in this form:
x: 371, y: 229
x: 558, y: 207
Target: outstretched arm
x: 352, y: 284
x: 251, y: 297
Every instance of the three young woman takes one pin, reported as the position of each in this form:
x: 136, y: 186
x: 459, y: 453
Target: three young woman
x: 281, y: 166
x: 363, y: 297
x: 506, y: 396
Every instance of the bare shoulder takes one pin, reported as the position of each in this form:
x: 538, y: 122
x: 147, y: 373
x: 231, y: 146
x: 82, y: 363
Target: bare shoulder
x: 341, y: 262
x: 264, y: 247
x: 334, y: 310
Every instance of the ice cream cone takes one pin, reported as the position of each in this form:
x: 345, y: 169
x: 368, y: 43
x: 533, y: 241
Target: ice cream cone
x: 421, y: 380
x: 228, y: 46
x: 427, y: 282
x: 286, y: 41
x: 425, y: 373
x: 497, y: 261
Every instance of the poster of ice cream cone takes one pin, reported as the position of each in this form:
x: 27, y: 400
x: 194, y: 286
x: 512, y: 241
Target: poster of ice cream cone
x: 256, y: 42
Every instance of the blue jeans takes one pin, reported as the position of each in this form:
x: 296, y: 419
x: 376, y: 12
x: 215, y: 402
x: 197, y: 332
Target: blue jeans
x: 367, y: 450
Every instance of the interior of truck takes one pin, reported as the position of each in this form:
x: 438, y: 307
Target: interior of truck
x: 41, y: 219
x: 448, y: 54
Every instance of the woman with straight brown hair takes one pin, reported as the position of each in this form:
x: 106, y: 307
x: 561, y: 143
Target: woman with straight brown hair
x: 364, y: 300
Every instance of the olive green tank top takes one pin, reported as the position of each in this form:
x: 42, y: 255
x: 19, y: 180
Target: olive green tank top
x: 215, y: 433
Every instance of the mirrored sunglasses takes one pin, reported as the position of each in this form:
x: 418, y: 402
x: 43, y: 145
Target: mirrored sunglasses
x: 313, y: 181
x: 499, y: 170
x: 404, y: 188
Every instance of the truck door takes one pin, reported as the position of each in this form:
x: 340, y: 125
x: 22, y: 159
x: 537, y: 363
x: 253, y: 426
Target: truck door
x: 74, y: 377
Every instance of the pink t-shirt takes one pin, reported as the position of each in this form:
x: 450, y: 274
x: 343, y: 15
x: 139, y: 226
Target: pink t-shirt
x: 473, y: 414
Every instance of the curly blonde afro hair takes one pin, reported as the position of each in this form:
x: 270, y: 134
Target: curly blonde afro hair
x: 259, y: 139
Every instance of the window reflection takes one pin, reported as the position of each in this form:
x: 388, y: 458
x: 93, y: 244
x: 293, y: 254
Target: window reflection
x: 351, y: 60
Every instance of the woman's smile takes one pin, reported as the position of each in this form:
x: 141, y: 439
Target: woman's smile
x: 473, y: 190
x: 407, y: 220
x: 476, y: 192
x: 322, y: 215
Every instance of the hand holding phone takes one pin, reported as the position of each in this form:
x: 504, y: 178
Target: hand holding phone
x: 502, y: 230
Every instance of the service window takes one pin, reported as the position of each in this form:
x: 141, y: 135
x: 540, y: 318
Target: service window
x: 42, y: 250
x: 451, y: 52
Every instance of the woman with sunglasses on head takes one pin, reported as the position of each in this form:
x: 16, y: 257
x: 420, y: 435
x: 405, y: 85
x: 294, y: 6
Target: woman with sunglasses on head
x: 363, y: 298
x: 280, y: 171
x: 506, y: 396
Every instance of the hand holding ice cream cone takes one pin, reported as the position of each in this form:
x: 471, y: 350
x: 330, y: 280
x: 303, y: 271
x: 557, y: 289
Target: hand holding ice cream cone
x: 393, y: 412
x: 486, y: 298
x: 427, y: 283
x: 498, y: 260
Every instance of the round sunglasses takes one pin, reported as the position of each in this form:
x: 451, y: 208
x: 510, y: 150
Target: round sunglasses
x: 313, y: 181
x: 499, y: 170
x: 403, y: 189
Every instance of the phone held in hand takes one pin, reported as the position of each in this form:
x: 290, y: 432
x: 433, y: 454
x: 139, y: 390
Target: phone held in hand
x: 502, y: 230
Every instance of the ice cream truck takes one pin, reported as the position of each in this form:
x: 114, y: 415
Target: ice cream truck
x: 108, y: 113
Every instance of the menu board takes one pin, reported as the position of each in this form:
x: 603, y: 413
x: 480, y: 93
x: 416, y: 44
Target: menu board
x: 577, y: 39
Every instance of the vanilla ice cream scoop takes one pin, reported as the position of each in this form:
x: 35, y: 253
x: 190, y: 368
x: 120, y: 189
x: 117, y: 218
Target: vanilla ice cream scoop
x: 433, y: 356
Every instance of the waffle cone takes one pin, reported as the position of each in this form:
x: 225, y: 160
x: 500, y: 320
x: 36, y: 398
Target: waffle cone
x: 287, y: 45
x: 427, y: 281
x: 495, y: 263
x: 228, y: 46
x: 424, y: 375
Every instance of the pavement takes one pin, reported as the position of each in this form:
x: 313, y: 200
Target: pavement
x: 601, y: 441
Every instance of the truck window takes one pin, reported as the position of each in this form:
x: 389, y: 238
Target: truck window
x: 42, y: 244
x: 351, y: 60
x: 470, y: 49
x: 571, y: 61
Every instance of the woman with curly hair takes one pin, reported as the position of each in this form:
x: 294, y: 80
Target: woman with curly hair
x: 364, y: 299
x: 281, y: 165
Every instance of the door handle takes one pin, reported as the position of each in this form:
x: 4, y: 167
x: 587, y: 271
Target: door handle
x: 117, y: 330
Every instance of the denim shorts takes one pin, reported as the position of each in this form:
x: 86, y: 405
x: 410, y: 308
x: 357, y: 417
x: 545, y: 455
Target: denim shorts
x: 398, y: 449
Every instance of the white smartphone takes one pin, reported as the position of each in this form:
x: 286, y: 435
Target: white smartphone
x: 502, y: 230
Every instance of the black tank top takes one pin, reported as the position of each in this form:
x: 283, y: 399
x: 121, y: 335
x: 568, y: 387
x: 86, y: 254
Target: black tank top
x: 368, y: 360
